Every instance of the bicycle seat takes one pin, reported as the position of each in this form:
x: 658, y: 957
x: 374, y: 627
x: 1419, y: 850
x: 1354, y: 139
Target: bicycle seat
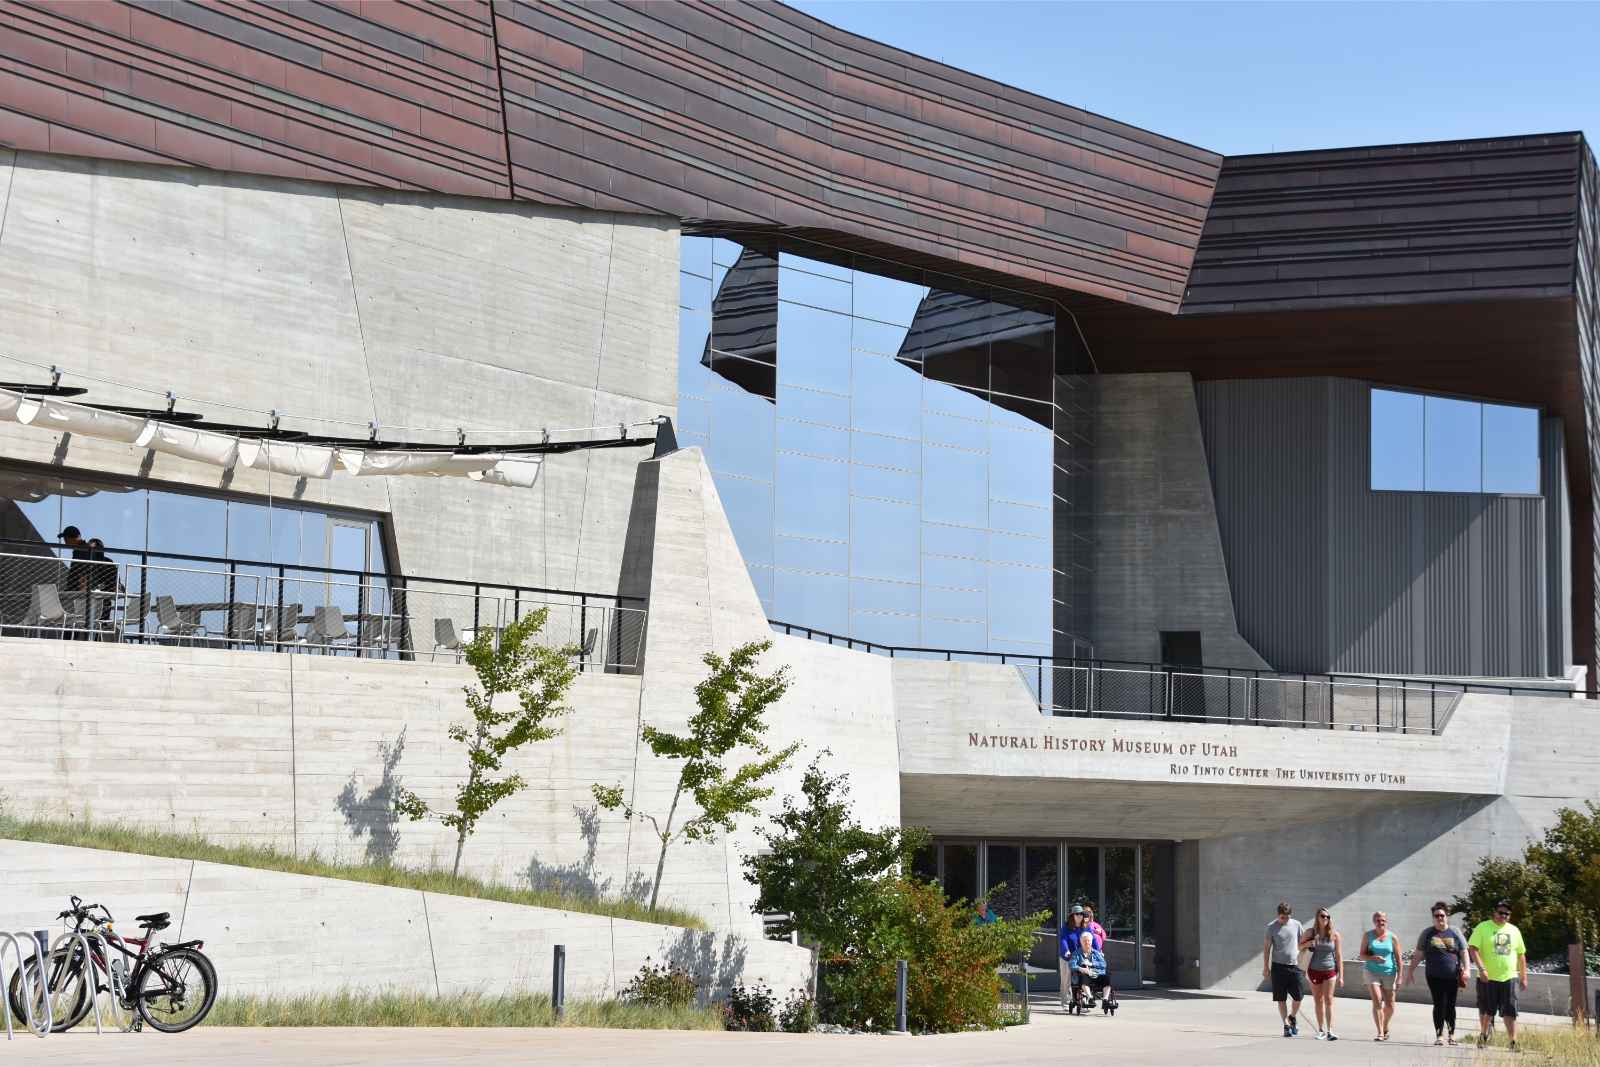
x: 159, y: 921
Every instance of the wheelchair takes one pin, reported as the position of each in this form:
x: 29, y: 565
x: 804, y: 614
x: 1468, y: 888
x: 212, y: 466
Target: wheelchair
x: 1089, y: 991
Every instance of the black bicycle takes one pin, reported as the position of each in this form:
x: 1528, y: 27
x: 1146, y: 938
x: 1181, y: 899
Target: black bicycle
x: 172, y: 987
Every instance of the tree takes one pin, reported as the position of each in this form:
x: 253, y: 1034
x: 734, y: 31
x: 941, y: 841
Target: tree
x: 821, y: 867
x: 1554, y: 889
x: 732, y: 700
x: 952, y: 977
x: 538, y: 677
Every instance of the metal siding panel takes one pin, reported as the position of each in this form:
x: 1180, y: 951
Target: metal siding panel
x: 1329, y: 575
x: 1266, y: 443
x: 1557, y: 546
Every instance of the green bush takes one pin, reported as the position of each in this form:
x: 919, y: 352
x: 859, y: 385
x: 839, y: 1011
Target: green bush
x: 952, y: 981
x: 751, y: 1009
x: 660, y: 987
x: 798, y: 1015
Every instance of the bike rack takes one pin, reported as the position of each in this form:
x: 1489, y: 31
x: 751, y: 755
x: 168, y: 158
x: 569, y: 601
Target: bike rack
x: 34, y: 978
x: 27, y: 982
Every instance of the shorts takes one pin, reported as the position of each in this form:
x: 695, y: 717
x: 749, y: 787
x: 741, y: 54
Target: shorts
x: 1382, y: 981
x: 1319, y: 976
x: 1498, y: 998
x: 1286, y: 983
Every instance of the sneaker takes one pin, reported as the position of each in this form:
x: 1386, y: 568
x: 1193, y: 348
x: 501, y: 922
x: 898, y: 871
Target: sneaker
x: 1438, y: 1039
x: 1321, y: 1036
x: 1483, y: 1040
x: 1294, y: 1027
x: 1288, y: 1031
x: 1513, y: 1047
x: 1332, y: 1036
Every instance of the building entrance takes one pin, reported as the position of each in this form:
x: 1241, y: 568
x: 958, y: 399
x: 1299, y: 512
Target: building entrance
x: 1129, y: 884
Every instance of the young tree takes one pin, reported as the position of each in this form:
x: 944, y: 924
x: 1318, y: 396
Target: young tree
x: 733, y: 701
x: 538, y: 678
x: 821, y: 867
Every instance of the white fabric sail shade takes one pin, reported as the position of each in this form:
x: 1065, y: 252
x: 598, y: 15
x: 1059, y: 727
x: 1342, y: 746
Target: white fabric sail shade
x: 59, y: 416
x: 186, y: 442
x: 440, y: 464
x: 287, y: 457
x: 281, y: 457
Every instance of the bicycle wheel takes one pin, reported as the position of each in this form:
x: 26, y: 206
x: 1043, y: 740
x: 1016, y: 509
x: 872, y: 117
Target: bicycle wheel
x: 176, y: 990
x: 69, y: 1000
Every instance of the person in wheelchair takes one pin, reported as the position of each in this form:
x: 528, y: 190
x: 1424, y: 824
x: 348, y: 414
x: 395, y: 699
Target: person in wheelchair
x: 1091, y: 979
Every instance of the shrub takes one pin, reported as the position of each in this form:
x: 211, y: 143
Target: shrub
x: 799, y: 1014
x: 750, y: 1009
x: 656, y: 986
x: 952, y: 981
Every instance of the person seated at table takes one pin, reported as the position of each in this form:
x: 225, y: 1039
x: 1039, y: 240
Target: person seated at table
x: 102, y: 582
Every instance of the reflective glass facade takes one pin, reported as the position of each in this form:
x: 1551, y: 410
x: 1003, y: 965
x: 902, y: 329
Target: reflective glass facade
x: 886, y: 444
x: 133, y: 517
x: 1439, y: 444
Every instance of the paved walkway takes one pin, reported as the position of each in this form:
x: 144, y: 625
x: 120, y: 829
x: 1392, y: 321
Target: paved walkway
x: 1176, y: 1029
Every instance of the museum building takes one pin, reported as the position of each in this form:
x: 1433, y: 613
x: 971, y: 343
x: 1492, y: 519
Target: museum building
x: 1159, y: 528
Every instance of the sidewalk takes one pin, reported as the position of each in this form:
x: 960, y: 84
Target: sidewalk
x: 1192, y: 1030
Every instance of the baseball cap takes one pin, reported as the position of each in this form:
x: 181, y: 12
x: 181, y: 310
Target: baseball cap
x: 1077, y: 909
x: 70, y: 531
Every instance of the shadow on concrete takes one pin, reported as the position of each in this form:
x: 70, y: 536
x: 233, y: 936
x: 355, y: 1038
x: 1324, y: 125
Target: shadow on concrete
x: 580, y: 878
x: 1342, y: 860
x: 715, y: 960
x: 372, y: 815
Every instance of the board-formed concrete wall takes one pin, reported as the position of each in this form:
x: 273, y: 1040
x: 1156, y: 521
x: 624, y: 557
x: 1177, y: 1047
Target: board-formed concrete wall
x: 1155, y: 560
x: 304, y: 752
x: 334, y: 303
x: 283, y: 934
x: 1398, y: 859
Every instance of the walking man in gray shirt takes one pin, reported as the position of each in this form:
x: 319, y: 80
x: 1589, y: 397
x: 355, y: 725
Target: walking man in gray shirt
x: 1280, y: 962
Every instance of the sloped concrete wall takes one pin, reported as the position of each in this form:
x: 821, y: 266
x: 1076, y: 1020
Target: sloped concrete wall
x: 275, y: 933
x: 332, y: 303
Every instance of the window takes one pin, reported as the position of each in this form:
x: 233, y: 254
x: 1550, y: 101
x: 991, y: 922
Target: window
x: 1439, y: 444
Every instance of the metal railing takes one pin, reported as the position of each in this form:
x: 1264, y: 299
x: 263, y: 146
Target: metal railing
x: 241, y: 604
x: 1242, y: 695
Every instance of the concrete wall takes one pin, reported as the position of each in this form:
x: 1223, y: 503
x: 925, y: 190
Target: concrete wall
x: 1154, y: 556
x: 333, y: 303
x: 275, y: 933
x: 1400, y: 859
x: 304, y: 752
x: 1331, y: 576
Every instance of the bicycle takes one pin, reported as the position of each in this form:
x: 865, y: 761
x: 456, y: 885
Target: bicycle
x: 172, y: 988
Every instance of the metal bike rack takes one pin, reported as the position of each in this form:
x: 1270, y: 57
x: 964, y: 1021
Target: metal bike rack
x: 25, y: 980
x: 35, y: 981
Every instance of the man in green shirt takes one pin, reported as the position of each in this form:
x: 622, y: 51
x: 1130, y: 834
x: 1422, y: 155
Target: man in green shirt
x: 1501, y: 957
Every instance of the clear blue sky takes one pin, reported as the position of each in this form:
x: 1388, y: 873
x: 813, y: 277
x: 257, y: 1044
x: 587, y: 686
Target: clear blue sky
x: 1259, y: 77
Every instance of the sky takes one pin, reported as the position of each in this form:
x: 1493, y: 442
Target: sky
x: 1260, y: 77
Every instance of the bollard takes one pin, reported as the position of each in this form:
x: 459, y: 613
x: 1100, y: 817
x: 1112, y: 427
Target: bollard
x: 900, y: 996
x: 558, y: 982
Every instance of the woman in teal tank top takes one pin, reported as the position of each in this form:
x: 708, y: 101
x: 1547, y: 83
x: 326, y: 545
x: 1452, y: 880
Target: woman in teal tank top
x: 1380, y: 951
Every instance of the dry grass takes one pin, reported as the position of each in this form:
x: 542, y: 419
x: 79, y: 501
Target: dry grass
x: 117, y: 837
x: 1563, y: 1046
x: 349, y: 1008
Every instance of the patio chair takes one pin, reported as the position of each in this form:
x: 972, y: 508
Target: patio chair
x: 379, y: 635
x: 170, y: 622
x: 281, y: 626
x: 586, y: 650
x: 327, y: 628
x: 47, y: 612
x: 242, y: 628
x: 445, y: 637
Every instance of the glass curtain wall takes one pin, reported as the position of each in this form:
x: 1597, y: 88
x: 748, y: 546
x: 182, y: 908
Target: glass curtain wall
x: 884, y: 443
x: 132, y: 517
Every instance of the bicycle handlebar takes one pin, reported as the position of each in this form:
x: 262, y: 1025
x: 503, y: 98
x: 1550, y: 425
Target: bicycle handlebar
x: 81, y: 911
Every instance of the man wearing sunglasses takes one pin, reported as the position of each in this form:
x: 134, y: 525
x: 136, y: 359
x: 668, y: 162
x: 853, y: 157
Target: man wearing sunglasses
x: 1501, y: 957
